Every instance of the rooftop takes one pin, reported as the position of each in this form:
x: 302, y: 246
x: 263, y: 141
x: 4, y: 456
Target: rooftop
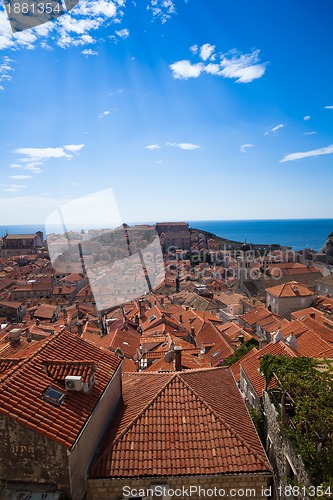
x: 24, y: 385
x: 291, y: 289
x: 183, y: 423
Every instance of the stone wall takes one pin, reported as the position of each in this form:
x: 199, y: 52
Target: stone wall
x: 254, y: 486
x: 90, y: 437
x: 27, y: 456
x: 286, y: 305
x: 281, y: 453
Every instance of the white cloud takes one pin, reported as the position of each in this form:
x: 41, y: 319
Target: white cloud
x: 152, y: 146
x: 89, y: 52
x: 162, y: 9
x: 19, y: 177
x: 123, y: 33
x: 184, y: 69
x: 243, y: 68
x: 34, y: 167
x: 306, y: 118
x: 105, y: 113
x: 308, y: 154
x: 70, y: 29
x: 5, y: 69
x: 41, y: 154
x: 184, y: 145
x: 213, y: 69
x: 245, y: 147
x: 32, y: 159
x: 275, y: 129
x: 75, y: 28
x: 206, y: 51
x: 310, y: 133
x: 328, y: 107
x: 12, y: 188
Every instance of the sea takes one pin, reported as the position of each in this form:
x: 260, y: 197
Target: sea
x: 295, y: 233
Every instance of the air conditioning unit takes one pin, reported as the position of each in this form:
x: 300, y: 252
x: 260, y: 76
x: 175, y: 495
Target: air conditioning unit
x: 73, y: 383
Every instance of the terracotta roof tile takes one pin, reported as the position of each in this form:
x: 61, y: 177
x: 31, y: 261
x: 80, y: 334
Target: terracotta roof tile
x: 250, y: 365
x: 220, y: 348
x: 59, y: 370
x: 291, y: 289
x: 257, y: 314
x: 22, y: 390
x: 185, y: 423
x: 235, y: 368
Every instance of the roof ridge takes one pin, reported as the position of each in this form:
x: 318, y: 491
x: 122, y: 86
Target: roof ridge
x: 309, y: 329
x: 135, y: 419
x: 223, y: 421
x: 63, y: 361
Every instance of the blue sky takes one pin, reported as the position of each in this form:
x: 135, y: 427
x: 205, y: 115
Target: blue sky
x: 189, y: 110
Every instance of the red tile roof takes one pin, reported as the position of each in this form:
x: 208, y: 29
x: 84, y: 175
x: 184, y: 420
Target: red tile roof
x: 22, y: 390
x: 257, y: 314
x: 59, y: 370
x: 6, y: 364
x: 291, y: 289
x: 45, y: 311
x: 188, y: 362
x: 220, y: 349
x: 251, y: 364
x: 186, y: 423
x: 235, y: 368
x: 125, y: 338
x: 309, y: 342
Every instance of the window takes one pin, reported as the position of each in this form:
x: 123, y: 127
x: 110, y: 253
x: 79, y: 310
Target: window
x: 54, y: 396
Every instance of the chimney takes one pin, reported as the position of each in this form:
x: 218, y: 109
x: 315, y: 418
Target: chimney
x: 180, y: 318
x: 178, y: 358
x: 277, y: 337
x: 79, y: 325
x: 192, y: 331
x: 292, y: 342
x: 141, y: 309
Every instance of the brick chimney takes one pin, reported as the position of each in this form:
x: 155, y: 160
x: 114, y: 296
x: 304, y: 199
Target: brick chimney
x: 178, y: 358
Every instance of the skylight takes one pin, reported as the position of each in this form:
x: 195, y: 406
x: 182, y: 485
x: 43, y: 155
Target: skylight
x: 54, y: 396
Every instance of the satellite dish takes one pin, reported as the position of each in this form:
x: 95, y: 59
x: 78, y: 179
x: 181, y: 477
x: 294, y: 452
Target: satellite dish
x: 169, y: 356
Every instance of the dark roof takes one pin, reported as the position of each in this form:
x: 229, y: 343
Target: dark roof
x: 20, y: 236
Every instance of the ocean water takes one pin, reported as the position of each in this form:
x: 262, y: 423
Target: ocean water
x: 295, y: 233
